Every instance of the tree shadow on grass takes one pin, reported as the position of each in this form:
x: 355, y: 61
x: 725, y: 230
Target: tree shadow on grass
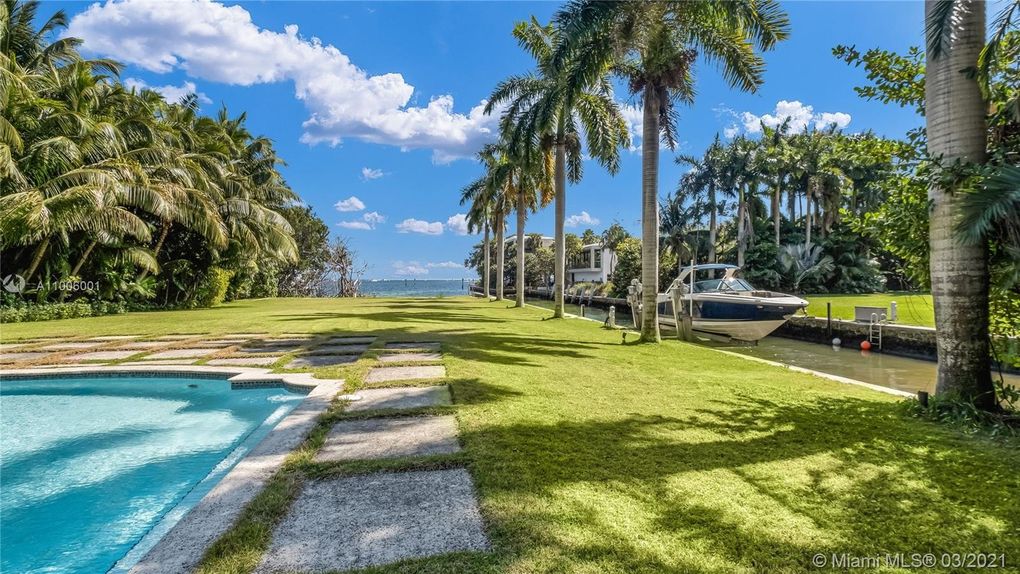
x: 756, y: 484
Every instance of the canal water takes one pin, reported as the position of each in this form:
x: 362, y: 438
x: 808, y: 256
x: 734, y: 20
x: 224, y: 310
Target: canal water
x: 892, y: 371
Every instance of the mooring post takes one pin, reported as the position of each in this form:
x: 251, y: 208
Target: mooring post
x: 582, y: 309
x: 828, y: 318
x: 922, y: 397
x: 612, y: 316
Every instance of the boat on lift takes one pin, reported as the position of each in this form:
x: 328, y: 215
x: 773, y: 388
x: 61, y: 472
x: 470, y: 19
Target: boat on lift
x: 729, y: 306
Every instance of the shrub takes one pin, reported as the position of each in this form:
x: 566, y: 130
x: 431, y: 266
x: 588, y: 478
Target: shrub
x: 45, y: 311
x: 213, y: 289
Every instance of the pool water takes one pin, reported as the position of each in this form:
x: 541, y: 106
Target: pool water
x: 95, y: 469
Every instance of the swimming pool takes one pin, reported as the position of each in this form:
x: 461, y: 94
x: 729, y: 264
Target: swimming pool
x: 96, y: 468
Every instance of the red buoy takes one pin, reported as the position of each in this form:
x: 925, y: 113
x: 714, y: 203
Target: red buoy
x: 865, y: 345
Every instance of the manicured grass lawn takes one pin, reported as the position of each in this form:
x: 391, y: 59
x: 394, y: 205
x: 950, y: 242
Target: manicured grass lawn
x: 594, y: 456
x: 913, y: 308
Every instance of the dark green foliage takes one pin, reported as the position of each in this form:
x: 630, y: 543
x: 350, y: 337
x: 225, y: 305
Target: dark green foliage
x: 213, y: 288
x: 628, y: 265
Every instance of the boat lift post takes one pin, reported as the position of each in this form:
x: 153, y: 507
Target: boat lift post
x: 682, y: 316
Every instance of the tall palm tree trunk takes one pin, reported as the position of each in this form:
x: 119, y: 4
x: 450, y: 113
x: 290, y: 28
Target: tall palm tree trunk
x: 777, y: 218
x: 741, y: 225
x: 650, y: 215
x: 560, y: 265
x: 521, y: 217
x: 807, y: 219
x: 955, y: 123
x: 713, y: 225
x: 79, y: 264
x: 159, y: 245
x: 37, y: 259
x: 500, y: 256
x: 488, y: 267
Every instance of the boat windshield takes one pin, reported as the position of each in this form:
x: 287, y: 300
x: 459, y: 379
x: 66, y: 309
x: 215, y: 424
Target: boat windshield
x: 723, y: 285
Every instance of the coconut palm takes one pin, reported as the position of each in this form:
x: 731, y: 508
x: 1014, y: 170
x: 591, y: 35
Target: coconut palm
x: 701, y: 184
x: 554, y: 108
x: 530, y: 187
x: 654, y: 45
x: 956, y: 133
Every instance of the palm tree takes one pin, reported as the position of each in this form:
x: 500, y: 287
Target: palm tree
x: 654, y: 46
x: 488, y: 208
x: 956, y: 132
x: 532, y: 187
x: 701, y: 184
x: 776, y: 159
x: 552, y: 108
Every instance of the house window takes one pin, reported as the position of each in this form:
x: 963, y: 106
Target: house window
x: 598, y: 258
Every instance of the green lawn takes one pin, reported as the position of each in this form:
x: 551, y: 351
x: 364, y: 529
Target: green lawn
x: 593, y: 456
x: 913, y: 308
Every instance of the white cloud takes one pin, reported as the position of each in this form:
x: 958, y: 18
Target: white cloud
x: 444, y: 265
x: 368, y: 221
x: 582, y: 218
x: 355, y: 225
x: 170, y: 93
x: 220, y: 43
x: 800, y: 116
x: 457, y: 223
x: 412, y: 225
x: 369, y: 174
x: 352, y: 203
x: 374, y: 218
x: 409, y: 268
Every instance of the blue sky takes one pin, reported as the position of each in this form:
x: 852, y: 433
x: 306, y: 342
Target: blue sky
x: 380, y: 101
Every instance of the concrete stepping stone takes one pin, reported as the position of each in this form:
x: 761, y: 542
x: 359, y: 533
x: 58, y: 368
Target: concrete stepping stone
x: 11, y: 346
x: 350, y: 340
x: 103, y: 355
x: 400, y: 398
x: 71, y: 346
x: 376, y: 519
x: 338, y: 349
x: 409, y: 357
x: 250, y: 361
x: 159, y: 362
x: 23, y: 356
x: 114, y: 338
x: 144, y: 345
x: 181, y: 353
x: 390, y: 438
x: 384, y: 374
x: 176, y: 337
x: 276, y: 350
x: 291, y: 342
x: 311, y: 361
x: 417, y: 346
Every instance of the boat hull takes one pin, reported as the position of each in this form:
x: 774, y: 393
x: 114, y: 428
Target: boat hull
x: 736, y: 317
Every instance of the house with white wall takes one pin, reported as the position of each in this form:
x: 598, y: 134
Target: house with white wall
x: 595, y: 264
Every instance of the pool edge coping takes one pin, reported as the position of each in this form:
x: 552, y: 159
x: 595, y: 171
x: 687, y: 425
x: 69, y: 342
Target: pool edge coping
x: 184, y: 545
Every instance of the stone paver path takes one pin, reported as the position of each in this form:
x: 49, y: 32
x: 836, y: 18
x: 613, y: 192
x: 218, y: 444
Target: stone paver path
x: 277, y: 350
x: 417, y: 346
x: 386, y: 374
x: 245, y: 361
x: 145, y: 345
x: 339, y: 349
x: 409, y: 357
x: 390, y: 438
x: 311, y: 361
x: 114, y: 338
x: 160, y: 362
x: 182, y: 353
x: 350, y: 340
x: 71, y: 345
x: 23, y: 356
x: 102, y: 355
x: 376, y: 519
x: 401, y: 398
